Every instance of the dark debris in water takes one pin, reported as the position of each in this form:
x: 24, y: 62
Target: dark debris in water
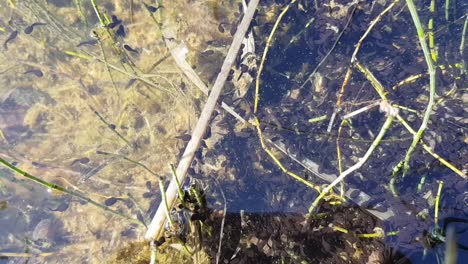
x: 120, y: 32
x: 115, y: 22
x: 83, y: 160
x: 184, y: 137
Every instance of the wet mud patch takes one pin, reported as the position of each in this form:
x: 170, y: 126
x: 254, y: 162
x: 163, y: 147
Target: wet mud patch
x: 289, y: 238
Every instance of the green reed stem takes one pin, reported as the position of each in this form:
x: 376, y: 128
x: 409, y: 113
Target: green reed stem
x: 130, y: 160
x: 98, y: 13
x: 430, y: 31
x: 110, y: 126
x: 462, y: 42
x: 432, y: 86
x: 296, y: 37
x: 179, y: 188
x: 80, y: 10
x: 462, y: 45
x: 103, y: 53
x: 356, y: 166
x: 436, y: 207
x: 64, y: 190
x: 166, y: 205
x: 447, y: 5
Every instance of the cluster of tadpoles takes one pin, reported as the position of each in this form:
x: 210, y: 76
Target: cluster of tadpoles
x: 391, y: 112
x: 191, y: 203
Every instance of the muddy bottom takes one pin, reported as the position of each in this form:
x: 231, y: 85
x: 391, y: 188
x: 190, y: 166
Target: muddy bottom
x: 331, y: 236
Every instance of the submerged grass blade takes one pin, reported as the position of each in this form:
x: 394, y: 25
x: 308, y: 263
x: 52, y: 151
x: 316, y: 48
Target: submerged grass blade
x: 64, y: 190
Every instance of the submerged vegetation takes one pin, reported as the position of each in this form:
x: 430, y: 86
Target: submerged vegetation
x: 339, y: 134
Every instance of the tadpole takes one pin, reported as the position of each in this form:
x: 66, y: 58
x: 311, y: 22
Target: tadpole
x: 11, y: 38
x: 36, y: 72
x: 111, y: 201
x: 29, y: 29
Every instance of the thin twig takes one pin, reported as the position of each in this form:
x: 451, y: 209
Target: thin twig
x: 154, y: 252
x: 309, y: 78
x: 221, y: 231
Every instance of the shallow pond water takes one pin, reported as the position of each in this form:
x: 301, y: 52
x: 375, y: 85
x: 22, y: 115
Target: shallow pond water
x: 92, y: 101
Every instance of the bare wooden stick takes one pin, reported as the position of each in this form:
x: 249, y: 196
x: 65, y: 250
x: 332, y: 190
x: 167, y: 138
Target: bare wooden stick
x: 361, y: 110
x: 157, y: 224
x: 177, y: 51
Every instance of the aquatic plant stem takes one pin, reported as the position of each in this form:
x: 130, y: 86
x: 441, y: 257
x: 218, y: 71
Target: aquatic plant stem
x: 98, y: 13
x: 313, y: 168
x: 130, y: 160
x: 436, y: 207
x: 381, y: 91
x: 64, y: 190
x: 221, y: 231
x: 462, y: 41
x: 322, y: 61
x: 356, y: 166
x: 179, y: 187
x: 430, y: 31
x: 432, y: 88
x: 265, y: 53
x: 257, y: 100
x: 296, y: 37
x: 104, y: 57
x: 277, y: 161
x: 167, y: 210
x: 349, y: 72
x: 338, y: 155
x: 80, y: 11
x: 447, y: 5
x: 110, y: 126
x: 25, y: 255
x: 157, y: 224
